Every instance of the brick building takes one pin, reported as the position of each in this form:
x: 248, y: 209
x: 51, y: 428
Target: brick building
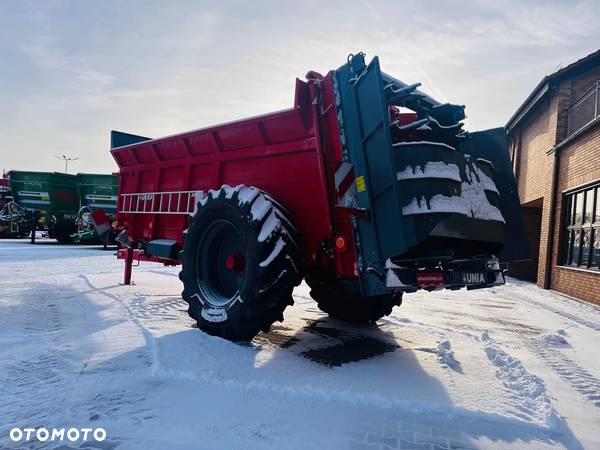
x: 554, y: 140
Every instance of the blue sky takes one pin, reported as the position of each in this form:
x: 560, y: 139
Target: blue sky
x: 71, y: 71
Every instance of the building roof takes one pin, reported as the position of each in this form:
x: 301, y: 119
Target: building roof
x: 548, y: 82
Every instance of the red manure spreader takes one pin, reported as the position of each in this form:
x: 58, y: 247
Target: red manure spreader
x: 366, y: 188
x: 5, y: 193
x: 5, y: 198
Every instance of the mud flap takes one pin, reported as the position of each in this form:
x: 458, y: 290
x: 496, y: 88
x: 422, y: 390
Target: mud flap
x: 491, y: 145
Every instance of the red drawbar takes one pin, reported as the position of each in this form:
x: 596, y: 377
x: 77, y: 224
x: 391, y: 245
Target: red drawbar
x: 430, y: 278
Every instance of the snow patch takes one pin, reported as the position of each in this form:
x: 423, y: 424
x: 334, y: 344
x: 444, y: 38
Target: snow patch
x: 282, y: 217
x: 428, y: 143
x: 390, y: 265
x: 214, y: 314
x: 391, y: 279
x: 486, y: 161
x: 432, y: 169
x: 474, y: 195
x: 472, y: 201
x: 529, y: 388
x: 202, y: 198
x: 485, y: 181
x: 438, y: 204
x: 97, y: 328
x: 276, y: 251
x: 446, y: 355
x: 260, y: 208
x: 443, y: 127
x: 229, y: 191
x: 271, y: 224
x: 285, y: 232
x: 247, y: 194
x: 555, y: 340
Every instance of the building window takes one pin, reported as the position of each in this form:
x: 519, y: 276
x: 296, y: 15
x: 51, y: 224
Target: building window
x: 585, y: 110
x: 581, y: 232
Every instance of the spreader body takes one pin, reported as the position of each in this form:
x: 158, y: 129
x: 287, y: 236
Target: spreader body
x: 380, y: 181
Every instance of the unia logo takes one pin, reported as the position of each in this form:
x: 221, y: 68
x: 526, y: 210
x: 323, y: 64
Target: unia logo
x: 57, y: 434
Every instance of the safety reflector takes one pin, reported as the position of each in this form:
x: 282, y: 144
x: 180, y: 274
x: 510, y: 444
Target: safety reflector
x: 430, y: 278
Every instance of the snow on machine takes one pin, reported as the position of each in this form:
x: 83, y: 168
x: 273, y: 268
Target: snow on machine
x: 367, y: 189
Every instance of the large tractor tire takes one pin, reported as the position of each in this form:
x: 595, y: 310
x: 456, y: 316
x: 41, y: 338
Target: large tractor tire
x: 62, y: 233
x: 239, y: 263
x: 341, y: 299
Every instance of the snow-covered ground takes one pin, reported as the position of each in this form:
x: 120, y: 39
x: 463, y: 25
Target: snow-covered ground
x: 511, y: 367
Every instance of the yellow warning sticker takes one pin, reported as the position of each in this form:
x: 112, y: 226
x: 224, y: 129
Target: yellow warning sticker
x: 360, y: 184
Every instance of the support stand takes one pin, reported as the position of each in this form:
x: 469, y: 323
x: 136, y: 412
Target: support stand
x: 33, y: 227
x: 128, y: 264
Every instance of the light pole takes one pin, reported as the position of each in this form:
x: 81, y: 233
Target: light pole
x: 66, y: 159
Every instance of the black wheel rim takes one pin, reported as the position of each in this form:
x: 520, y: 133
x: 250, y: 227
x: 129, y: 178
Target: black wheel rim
x: 220, y: 263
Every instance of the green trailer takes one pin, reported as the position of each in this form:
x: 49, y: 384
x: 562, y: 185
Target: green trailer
x: 96, y: 192
x: 7, y: 229
x: 43, y: 201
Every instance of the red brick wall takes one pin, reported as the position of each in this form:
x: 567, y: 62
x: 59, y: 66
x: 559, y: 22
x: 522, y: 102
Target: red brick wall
x: 535, y: 167
x: 577, y: 283
x: 537, y: 137
x: 579, y: 164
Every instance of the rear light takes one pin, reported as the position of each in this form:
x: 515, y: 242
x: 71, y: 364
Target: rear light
x: 430, y: 278
x: 340, y: 243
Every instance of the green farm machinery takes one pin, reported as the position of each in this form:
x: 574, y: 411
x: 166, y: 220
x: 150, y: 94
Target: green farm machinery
x: 7, y: 229
x: 46, y: 201
x: 60, y: 204
x: 96, y: 216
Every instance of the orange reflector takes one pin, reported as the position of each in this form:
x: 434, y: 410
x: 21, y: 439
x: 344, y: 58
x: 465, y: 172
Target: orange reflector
x: 340, y: 243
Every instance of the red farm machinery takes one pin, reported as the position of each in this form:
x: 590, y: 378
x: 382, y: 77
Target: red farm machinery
x: 366, y: 188
x: 5, y: 193
x: 6, y: 228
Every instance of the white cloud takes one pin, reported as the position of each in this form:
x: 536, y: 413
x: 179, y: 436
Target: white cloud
x: 83, y: 68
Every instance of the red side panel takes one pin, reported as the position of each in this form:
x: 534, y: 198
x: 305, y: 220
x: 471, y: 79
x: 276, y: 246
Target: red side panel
x: 345, y: 258
x: 278, y: 153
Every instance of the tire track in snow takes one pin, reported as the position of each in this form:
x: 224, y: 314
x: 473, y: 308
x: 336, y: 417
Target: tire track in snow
x: 37, y: 386
x: 144, y: 309
x: 393, y: 322
x: 528, y: 390
x: 148, y: 336
x: 31, y: 386
x: 567, y: 315
x: 529, y: 398
x: 580, y: 379
x: 312, y: 394
x: 553, y: 297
